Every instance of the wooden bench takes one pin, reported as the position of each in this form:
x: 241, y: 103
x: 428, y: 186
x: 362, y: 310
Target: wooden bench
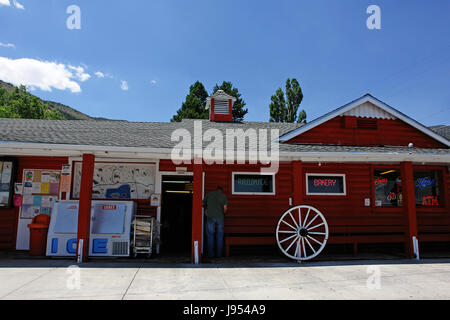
x: 247, y: 240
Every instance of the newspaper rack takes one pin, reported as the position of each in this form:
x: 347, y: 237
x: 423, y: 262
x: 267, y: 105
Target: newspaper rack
x: 143, y: 235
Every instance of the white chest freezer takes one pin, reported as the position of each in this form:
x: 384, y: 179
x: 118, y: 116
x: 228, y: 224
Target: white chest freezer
x: 109, y: 229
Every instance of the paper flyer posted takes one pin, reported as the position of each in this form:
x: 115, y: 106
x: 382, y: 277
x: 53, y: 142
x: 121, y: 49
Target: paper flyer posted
x: 45, y: 188
x: 45, y: 201
x: 18, y: 188
x: 54, y: 177
x: 26, y: 211
x: 7, y: 167
x: 36, y: 211
x: 45, y: 177
x: 36, y: 187
x: 37, y: 176
x: 27, y: 188
x: 4, y: 187
x: 4, y: 198
x: 6, y: 177
x: 27, y: 200
x: 37, y: 201
x: 66, y: 169
x: 64, y: 185
x: 29, y: 176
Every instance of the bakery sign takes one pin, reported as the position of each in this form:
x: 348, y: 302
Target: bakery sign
x: 325, y: 184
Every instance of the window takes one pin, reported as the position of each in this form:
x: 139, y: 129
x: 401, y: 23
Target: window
x: 388, y: 188
x: 426, y: 186
x: 253, y: 183
x: 325, y: 184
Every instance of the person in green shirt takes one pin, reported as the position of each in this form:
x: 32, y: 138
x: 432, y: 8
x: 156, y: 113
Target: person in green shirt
x: 215, y: 204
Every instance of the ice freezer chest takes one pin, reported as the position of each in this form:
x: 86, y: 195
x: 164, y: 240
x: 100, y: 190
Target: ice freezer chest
x: 109, y: 230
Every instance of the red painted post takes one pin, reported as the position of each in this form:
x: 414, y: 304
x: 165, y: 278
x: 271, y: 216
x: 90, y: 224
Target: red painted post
x: 297, y: 172
x: 212, y: 116
x: 409, y: 203
x: 197, y: 209
x: 84, y: 208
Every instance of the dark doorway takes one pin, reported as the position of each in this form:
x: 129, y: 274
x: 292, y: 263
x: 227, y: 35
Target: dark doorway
x: 176, y: 214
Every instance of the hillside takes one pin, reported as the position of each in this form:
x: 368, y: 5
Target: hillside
x: 68, y: 112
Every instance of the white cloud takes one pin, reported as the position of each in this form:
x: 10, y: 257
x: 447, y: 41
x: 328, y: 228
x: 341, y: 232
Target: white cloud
x: 124, y: 85
x: 80, y: 75
x: 154, y: 81
x: 7, y: 45
x: 18, y: 5
x: 42, y: 74
x: 99, y: 74
x: 15, y: 3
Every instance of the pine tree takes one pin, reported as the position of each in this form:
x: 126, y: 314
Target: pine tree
x: 194, y: 107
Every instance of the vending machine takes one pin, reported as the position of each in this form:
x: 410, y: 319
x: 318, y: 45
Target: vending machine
x: 109, y: 229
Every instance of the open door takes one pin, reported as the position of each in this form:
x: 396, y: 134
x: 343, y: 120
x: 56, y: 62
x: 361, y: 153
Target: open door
x: 176, y: 215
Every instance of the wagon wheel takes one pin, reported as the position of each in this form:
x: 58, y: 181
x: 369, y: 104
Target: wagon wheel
x: 302, y: 233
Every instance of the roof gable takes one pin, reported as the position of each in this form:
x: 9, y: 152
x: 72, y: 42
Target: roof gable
x: 369, y: 107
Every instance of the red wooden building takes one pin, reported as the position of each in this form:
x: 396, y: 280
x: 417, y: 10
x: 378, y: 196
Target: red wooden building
x: 375, y: 174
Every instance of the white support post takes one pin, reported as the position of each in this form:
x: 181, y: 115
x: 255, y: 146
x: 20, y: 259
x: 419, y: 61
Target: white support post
x: 80, y: 251
x: 196, y: 252
x: 416, y: 247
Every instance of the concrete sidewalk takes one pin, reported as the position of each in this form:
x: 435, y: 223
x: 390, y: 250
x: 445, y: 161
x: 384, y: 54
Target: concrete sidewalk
x: 52, y: 279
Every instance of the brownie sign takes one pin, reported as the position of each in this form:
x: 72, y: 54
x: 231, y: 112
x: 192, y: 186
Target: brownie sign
x: 326, y: 185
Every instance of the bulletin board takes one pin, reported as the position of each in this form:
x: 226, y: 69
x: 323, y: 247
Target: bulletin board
x: 6, y: 182
x: 40, y: 191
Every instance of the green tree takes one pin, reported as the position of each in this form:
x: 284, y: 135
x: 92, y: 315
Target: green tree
x: 18, y: 103
x: 238, y: 108
x: 194, y: 107
x: 285, y: 108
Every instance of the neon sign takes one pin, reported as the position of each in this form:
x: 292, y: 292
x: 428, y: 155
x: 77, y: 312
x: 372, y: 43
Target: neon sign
x: 325, y: 182
x: 379, y: 181
x: 430, y: 201
x: 424, y: 182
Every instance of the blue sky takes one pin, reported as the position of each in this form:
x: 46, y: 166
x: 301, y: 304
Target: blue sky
x: 161, y: 47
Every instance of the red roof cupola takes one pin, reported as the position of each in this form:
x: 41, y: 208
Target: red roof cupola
x: 220, y: 107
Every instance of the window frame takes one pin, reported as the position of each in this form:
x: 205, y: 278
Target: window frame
x: 442, y: 189
x: 234, y: 173
x: 343, y: 175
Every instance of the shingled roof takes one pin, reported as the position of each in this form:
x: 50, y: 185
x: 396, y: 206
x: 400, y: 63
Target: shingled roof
x: 115, y: 133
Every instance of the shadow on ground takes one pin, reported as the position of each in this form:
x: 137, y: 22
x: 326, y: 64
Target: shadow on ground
x: 245, y: 257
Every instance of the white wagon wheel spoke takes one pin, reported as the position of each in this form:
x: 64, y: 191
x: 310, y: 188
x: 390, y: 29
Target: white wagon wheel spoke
x: 317, y: 215
x: 316, y: 241
x: 295, y: 222
x: 303, y: 245
x: 309, y: 244
x: 316, y: 226
x: 300, y: 242
x: 300, y: 217
x: 297, y: 252
x: 287, y: 249
x: 288, y: 238
x: 289, y: 225
x: 318, y: 233
x: 306, y: 218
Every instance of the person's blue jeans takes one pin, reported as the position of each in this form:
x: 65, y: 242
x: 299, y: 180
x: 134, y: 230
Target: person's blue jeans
x: 214, y: 235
